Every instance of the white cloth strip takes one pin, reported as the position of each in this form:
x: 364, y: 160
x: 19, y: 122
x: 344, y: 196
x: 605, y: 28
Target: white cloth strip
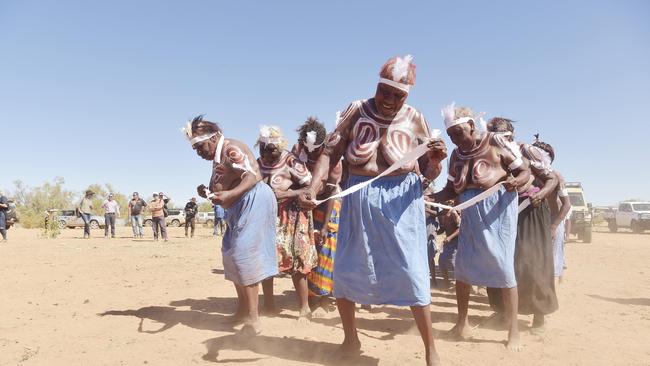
x: 458, y: 121
x: 525, y: 203
x: 270, y: 140
x: 483, y: 195
x: 197, y: 139
x: 412, y: 155
x: 217, y: 154
x: 395, y: 84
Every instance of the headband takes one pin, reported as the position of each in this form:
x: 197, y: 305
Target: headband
x: 395, y: 84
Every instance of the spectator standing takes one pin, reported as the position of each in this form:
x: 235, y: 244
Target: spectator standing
x: 4, y: 207
x: 136, y: 205
x: 156, y: 206
x: 85, y: 208
x: 219, y: 219
x: 190, y: 215
x: 111, y: 210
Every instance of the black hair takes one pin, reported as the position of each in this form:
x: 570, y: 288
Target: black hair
x: 201, y: 126
x: 500, y: 124
x: 544, y: 146
x: 312, y: 124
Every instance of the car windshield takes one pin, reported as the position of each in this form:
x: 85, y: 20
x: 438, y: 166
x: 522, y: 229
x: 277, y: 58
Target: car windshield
x: 641, y: 206
x: 576, y: 199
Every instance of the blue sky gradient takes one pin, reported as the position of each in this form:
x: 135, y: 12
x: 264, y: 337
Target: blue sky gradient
x: 96, y: 92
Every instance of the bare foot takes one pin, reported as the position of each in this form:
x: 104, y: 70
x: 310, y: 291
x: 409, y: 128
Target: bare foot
x: 433, y: 360
x: 538, y: 325
x: 319, y: 312
x: 350, y: 348
x: 366, y: 308
x: 304, y: 316
x: 514, y: 344
x: 237, y: 318
x: 538, y: 330
x: 461, y: 332
x: 251, y: 329
x: 495, y: 321
x: 269, y: 311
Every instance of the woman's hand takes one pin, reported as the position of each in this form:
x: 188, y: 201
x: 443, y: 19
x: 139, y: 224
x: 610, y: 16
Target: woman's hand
x: 306, y: 199
x: 201, y: 189
x: 437, y: 149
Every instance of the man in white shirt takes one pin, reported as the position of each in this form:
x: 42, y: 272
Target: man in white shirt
x: 111, y: 210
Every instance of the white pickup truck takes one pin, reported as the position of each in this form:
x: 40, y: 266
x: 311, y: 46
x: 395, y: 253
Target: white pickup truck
x: 633, y: 215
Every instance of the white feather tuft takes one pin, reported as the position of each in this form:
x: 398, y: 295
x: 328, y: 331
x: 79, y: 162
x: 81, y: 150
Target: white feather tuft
x: 401, y: 67
x: 338, y: 118
x: 448, y: 113
x: 265, y: 131
x: 311, y: 137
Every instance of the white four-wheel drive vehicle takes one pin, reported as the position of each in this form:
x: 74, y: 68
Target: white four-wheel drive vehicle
x: 633, y: 215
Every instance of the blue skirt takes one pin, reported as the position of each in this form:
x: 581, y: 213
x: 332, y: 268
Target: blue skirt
x: 381, y: 254
x: 248, y: 246
x: 486, y: 245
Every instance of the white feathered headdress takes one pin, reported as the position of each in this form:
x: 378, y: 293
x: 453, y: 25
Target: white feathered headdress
x: 448, y: 113
x: 399, y: 72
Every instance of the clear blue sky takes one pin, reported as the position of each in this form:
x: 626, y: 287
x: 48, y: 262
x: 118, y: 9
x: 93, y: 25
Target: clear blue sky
x: 96, y: 92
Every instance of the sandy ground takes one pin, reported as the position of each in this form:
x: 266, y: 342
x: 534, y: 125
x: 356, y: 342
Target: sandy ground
x: 166, y: 304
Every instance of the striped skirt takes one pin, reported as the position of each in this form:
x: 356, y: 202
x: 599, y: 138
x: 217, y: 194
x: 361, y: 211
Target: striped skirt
x: 320, y: 279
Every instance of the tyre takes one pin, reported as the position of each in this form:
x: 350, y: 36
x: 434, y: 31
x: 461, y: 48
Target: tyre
x: 209, y: 223
x: 636, y: 227
x: 62, y: 224
x: 612, y: 226
x: 176, y: 223
x: 94, y: 224
x: 586, y: 237
x: 148, y: 223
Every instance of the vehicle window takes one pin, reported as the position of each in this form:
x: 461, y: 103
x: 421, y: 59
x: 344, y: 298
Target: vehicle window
x: 174, y: 212
x: 67, y: 213
x: 641, y: 206
x: 625, y: 207
x: 576, y: 199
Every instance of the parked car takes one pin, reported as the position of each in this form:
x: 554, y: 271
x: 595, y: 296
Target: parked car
x: 68, y: 218
x: 175, y: 218
x: 11, y: 216
x: 634, y: 215
x: 581, y: 218
x: 205, y: 218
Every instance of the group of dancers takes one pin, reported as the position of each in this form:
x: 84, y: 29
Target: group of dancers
x: 344, y: 213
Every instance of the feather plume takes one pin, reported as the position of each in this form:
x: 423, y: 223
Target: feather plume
x: 401, y: 67
x: 448, y: 113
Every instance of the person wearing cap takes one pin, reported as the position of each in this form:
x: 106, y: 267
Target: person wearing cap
x: 381, y: 254
x: 248, y: 246
x: 111, y: 210
x: 4, y: 207
x: 136, y: 205
x: 85, y: 209
x: 157, y: 206
x: 191, y: 208
x: 488, y: 228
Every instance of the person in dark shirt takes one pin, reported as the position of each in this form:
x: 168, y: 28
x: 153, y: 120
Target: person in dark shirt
x: 4, y: 207
x: 191, y: 208
x: 136, y: 205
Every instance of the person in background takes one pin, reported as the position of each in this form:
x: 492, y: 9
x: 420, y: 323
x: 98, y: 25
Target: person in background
x: 4, y: 207
x: 219, y: 219
x: 136, y: 204
x: 191, y: 209
x: 450, y: 224
x: 156, y: 206
x: 85, y: 208
x: 111, y: 210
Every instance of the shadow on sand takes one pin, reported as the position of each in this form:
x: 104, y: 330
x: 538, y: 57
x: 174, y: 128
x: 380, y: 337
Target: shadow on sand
x: 285, y: 348
x: 630, y: 301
